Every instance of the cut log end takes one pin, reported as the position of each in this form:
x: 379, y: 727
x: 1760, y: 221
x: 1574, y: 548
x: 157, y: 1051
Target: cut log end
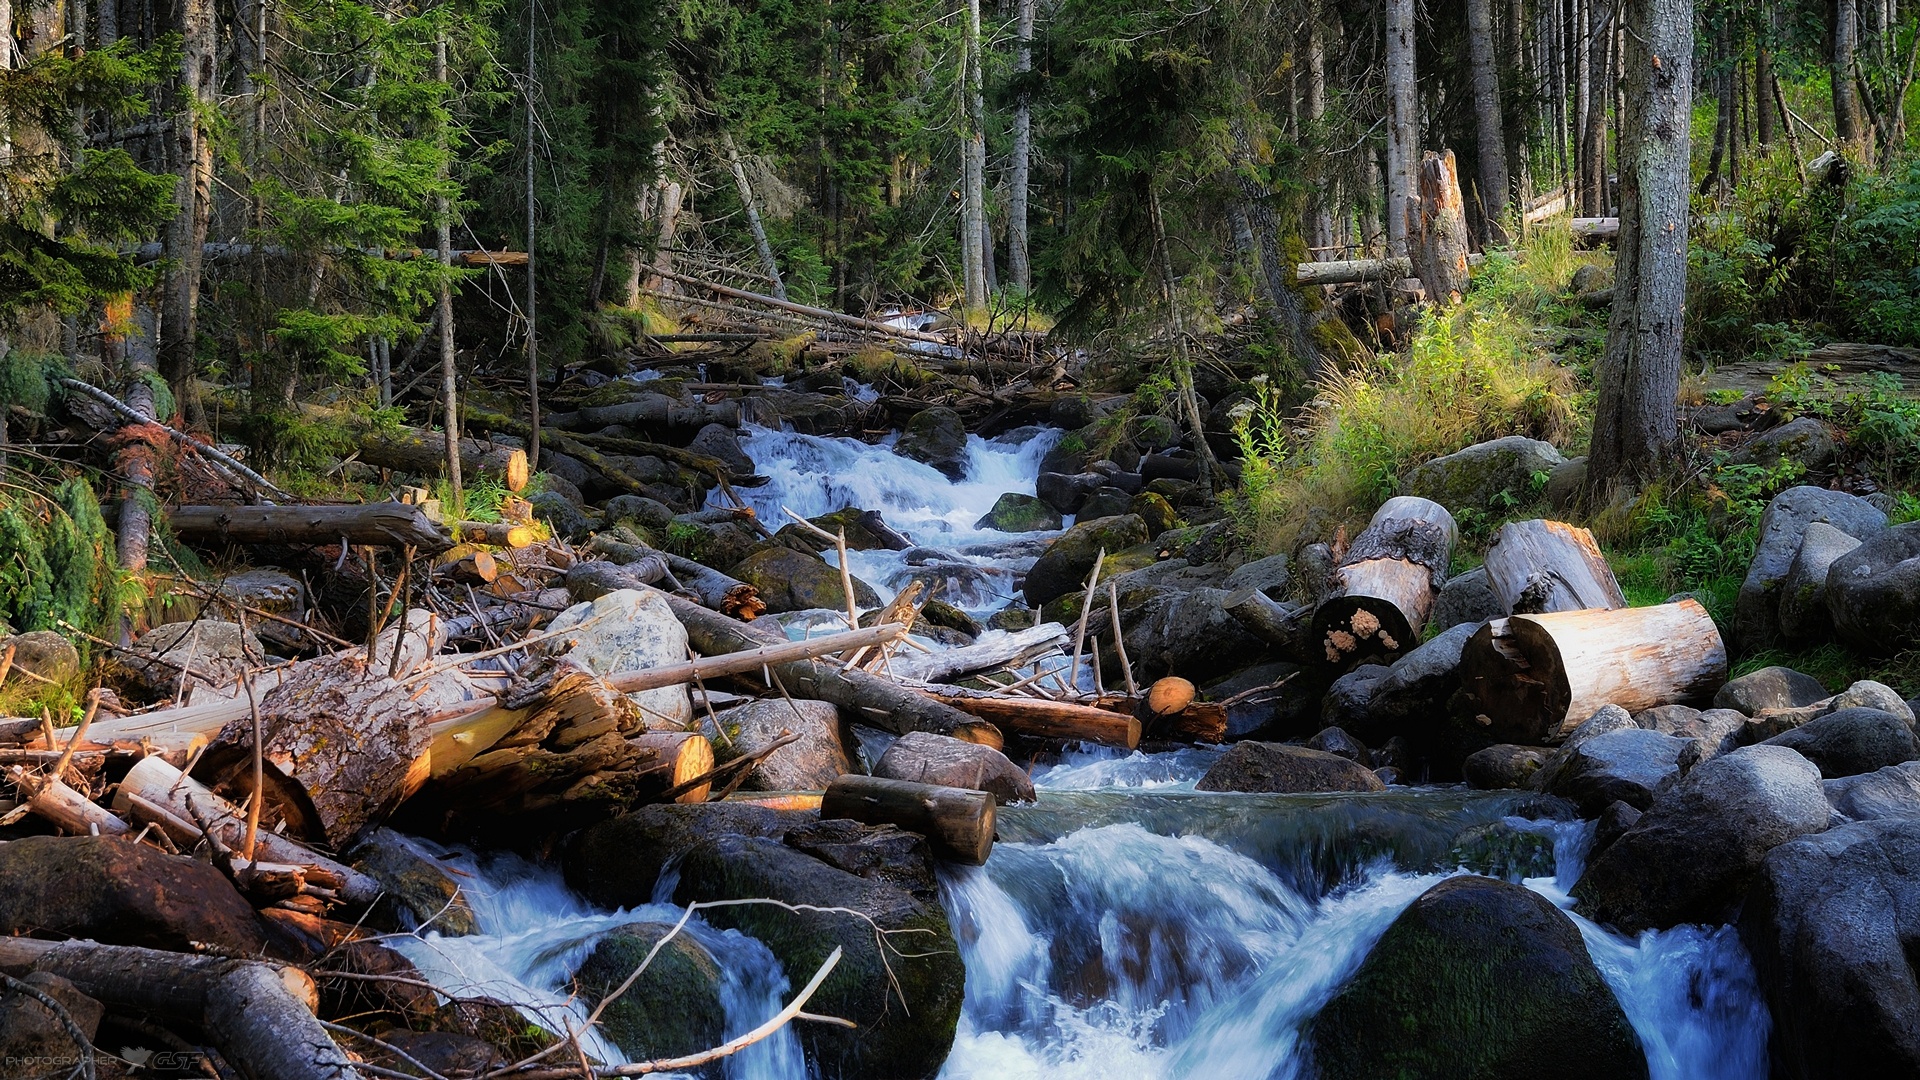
x: 1357, y: 629
x: 680, y: 756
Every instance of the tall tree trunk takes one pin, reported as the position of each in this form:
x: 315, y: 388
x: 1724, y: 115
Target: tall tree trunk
x: 533, y: 297
x: 1489, y: 127
x: 1276, y: 273
x: 1723, y: 103
x: 973, y: 196
x: 1599, y: 88
x: 752, y: 206
x: 1635, y: 424
x: 193, y: 147
x: 131, y: 326
x: 449, y: 373
x: 1403, y: 123
x: 1319, y: 196
x: 1019, y: 260
x: 1763, y: 109
x: 1844, y: 23
x: 1182, y: 363
x: 1582, y: 105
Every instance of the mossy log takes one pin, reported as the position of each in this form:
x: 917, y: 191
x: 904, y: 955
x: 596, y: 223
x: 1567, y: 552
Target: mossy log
x: 388, y: 524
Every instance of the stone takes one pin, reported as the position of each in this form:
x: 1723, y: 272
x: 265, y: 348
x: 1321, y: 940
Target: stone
x: 1281, y: 769
x: 1412, y: 692
x: 44, y: 653
x: 866, y: 530
x: 1333, y: 740
x: 1064, y: 566
x: 563, y: 515
x: 1873, y: 591
x: 275, y: 592
x: 1783, y: 527
x: 1612, y: 824
x: 1567, y: 483
x: 1833, y: 923
x: 1106, y: 502
x: 1804, y: 445
x: 203, y: 640
x: 1065, y: 492
x: 673, y: 1009
x: 1691, y: 856
x: 1155, y: 510
x: 449, y: 1053
x: 34, y: 1040
x: 563, y: 475
x: 1851, y: 741
x: 1466, y: 598
x: 1012, y: 617
x: 1628, y: 766
x: 1589, y: 278
x: 114, y: 891
x: 722, y: 443
x: 1867, y: 694
x: 926, y: 758
x: 1183, y: 632
x: 1769, y: 688
x: 1892, y: 792
x: 1477, y: 978
x: 1014, y: 512
x: 905, y: 1001
x: 627, y: 630
x: 816, y: 760
x: 790, y: 580
x: 419, y: 892
x: 937, y: 437
x: 1473, y: 477
x: 1503, y: 765
x: 724, y: 543
x: 1804, y: 618
x: 1270, y: 575
x: 649, y: 514
x: 1717, y: 418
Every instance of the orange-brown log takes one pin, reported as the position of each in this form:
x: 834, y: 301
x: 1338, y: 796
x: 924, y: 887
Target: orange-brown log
x: 1043, y: 719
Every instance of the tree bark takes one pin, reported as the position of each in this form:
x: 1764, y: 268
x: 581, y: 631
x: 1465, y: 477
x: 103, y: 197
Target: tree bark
x: 1635, y: 422
x: 449, y: 372
x: 135, y: 460
x: 1403, y: 123
x: 373, y: 524
x: 958, y: 822
x: 1437, y: 235
x: 1593, y: 133
x: 193, y: 147
x: 1763, y: 108
x: 1285, y: 628
x: 1039, y: 718
x: 1320, y: 199
x: 752, y: 207
x: 713, y: 589
x: 1019, y: 258
x: 1539, y: 566
x: 1843, y: 21
x: 1274, y: 267
x: 973, y: 217
x: 1488, y: 125
x: 1385, y: 586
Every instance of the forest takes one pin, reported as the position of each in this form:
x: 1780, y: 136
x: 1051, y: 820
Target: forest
x: 910, y: 539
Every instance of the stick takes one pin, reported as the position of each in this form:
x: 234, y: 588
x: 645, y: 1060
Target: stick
x: 86, y: 721
x: 128, y: 414
x: 1119, y: 639
x: 752, y: 659
x: 1080, y: 631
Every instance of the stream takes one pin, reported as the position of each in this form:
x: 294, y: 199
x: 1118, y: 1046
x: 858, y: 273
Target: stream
x: 1126, y: 926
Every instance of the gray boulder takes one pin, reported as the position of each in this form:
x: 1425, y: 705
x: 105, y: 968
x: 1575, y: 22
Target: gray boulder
x: 1804, y: 618
x: 1783, y: 527
x: 1851, y: 741
x: 417, y: 892
x: 790, y: 580
x: 1333, y: 740
x: 1867, y: 694
x: 1503, y: 765
x: 1691, y: 856
x: 673, y: 1009
x: 1412, y: 693
x: 628, y: 630
x: 565, y: 517
x: 650, y: 514
x: 1605, y: 720
x: 722, y: 443
x: 1280, y: 769
x: 938, y: 437
x: 1185, y: 632
x: 1804, y: 443
x: 1769, y: 688
x: 926, y: 758
x: 1270, y: 575
x: 1833, y: 925
x: 1474, y: 476
x: 1465, y: 598
x: 1567, y: 483
x: 46, y: 654
x: 1477, y: 978
x: 1014, y: 512
x: 1065, y: 492
x: 1628, y: 766
x: 816, y: 759
x: 1106, y: 502
x: 1891, y: 792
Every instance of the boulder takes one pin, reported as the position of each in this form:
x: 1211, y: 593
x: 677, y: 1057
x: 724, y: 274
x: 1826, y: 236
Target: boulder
x: 722, y: 443
x: 1629, y: 766
x: 1467, y: 598
x: 563, y: 515
x: 1718, y: 418
x: 1804, y: 618
x: 1612, y: 824
x: 117, y: 892
x: 1783, y: 527
x: 1867, y: 694
x: 1691, y: 856
x: 906, y: 1000
x: 1892, y: 792
x: 1269, y: 575
x: 1833, y: 925
x: 1064, y: 566
x: 816, y: 760
x: 1503, y: 765
x: 1567, y: 483
x: 1851, y: 741
x: 417, y: 890
x: 938, y: 437
x: 866, y: 530
x: 1106, y: 502
x: 34, y: 1040
x: 649, y: 514
x: 1065, y: 492
x: 1474, y: 476
x: 275, y: 592
x: 1333, y: 740
x: 1803, y: 444
x: 926, y: 758
x: 1769, y: 688
x: 673, y: 1009
x: 724, y: 543
x: 563, y: 475
x: 1155, y: 510
x: 1477, y: 978
x: 1407, y: 697
x: 1280, y: 769
x: 790, y: 580
x: 44, y: 653
x: 627, y: 630
x: 1014, y: 512
x: 449, y: 1053
x: 1183, y: 632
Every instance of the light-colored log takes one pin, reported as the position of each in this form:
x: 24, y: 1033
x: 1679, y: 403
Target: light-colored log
x: 508, y: 534
x: 1380, y: 595
x: 956, y: 821
x: 678, y: 756
x: 1042, y: 719
x: 373, y: 524
x: 1539, y: 566
x: 73, y: 812
x: 1537, y: 677
x: 1012, y: 649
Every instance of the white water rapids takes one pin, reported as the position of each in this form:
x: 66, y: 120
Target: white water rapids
x: 1125, y: 927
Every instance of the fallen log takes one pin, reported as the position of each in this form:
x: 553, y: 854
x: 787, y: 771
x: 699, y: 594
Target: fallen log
x: 507, y: 534
x: 389, y: 524
x: 1283, y: 627
x: 1536, y: 677
x: 997, y: 651
x: 642, y: 565
x: 1040, y: 718
x: 1540, y: 566
x: 956, y: 821
x: 1596, y: 228
x: 507, y: 615
x: 258, y: 1016
x: 678, y: 758
x: 1352, y: 271
x: 1380, y: 595
x: 734, y: 663
x: 73, y: 812
x: 424, y: 453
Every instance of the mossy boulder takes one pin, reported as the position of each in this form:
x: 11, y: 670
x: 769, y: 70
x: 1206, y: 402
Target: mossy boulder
x: 46, y: 654
x: 649, y: 514
x: 938, y: 437
x: 417, y: 890
x: 673, y: 1009
x: 561, y: 514
x: 1472, y: 477
x: 1017, y: 513
x: 1065, y: 564
x: 1155, y: 510
x: 1477, y: 978
x: 791, y: 580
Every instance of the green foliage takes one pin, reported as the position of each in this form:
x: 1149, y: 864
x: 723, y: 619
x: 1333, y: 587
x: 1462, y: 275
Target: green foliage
x: 56, y: 557
x: 30, y: 380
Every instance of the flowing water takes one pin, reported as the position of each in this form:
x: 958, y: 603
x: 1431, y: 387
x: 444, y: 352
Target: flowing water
x: 1126, y: 925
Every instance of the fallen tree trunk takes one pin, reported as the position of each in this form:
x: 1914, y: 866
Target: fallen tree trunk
x: 1537, y: 677
x: 508, y: 615
x: 1283, y: 627
x: 644, y: 566
x: 650, y: 411
x: 956, y: 821
x: 1606, y: 229
x: 507, y: 534
x: 424, y: 453
x: 1540, y: 566
x: 389, y: 524
x: 1351, y: 271
x: 1004, y: 650
x: 734, y: 663
x: 1040, y: 718
x: 73, y: 812
x: 260, y: 1017
x: 1381, y: 594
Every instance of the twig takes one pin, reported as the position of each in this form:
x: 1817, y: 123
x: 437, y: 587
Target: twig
x: 1120, y: 639
x: 1080, y: 631
x: 126, y: 412
x: 79, y: 1037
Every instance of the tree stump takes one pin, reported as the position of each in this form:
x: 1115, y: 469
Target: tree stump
x: 1380, y: 595
x: 1437, y: 230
